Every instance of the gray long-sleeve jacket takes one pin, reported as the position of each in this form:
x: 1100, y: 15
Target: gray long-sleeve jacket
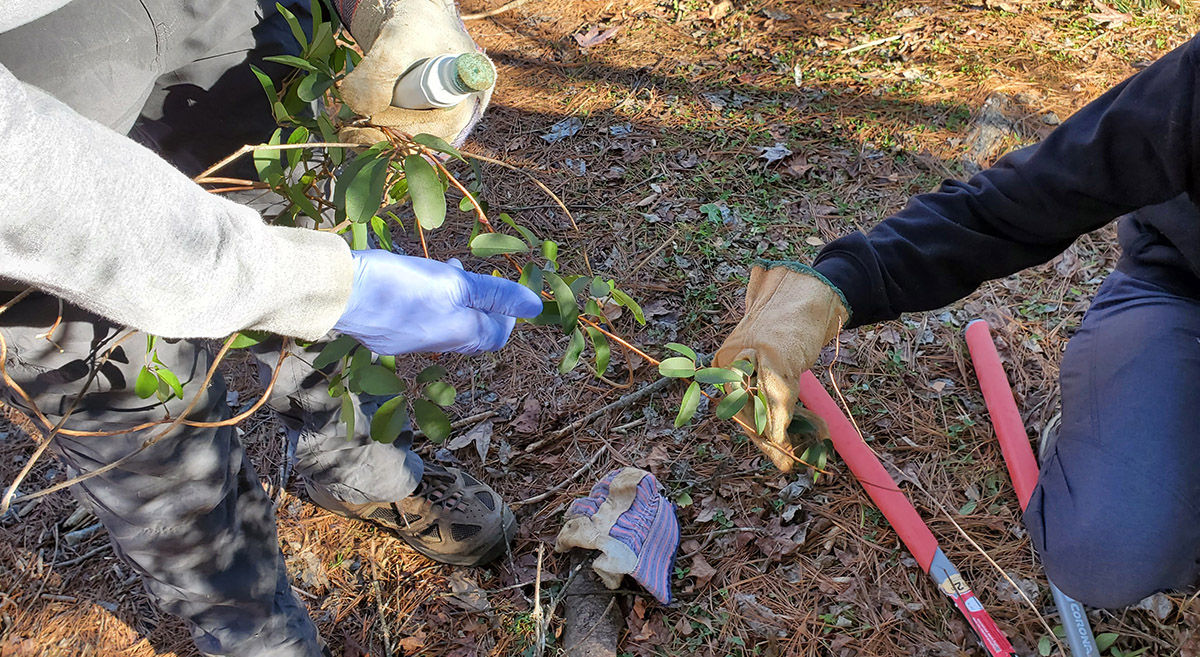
x: 91, y: 216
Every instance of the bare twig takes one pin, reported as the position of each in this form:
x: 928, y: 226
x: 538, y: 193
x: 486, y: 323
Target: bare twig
x: 583, y: 421
x: 872, y: 44
x: 508, y: 6
x: 568, y: 481
x: 204, y: 175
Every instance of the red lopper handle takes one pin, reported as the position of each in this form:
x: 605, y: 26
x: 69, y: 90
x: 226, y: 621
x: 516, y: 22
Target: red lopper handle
x: 998, y: 395
x: 870, y: 472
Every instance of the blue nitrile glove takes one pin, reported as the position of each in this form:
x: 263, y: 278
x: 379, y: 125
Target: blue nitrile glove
x: 401, y: 304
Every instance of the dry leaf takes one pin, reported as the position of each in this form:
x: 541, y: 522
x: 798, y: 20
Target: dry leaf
x: 480, y: 436
x: 1108, y: 16
x: 595, y: 37
x: 702, y: 571
x: 720, y: 10
x: 531, y: 415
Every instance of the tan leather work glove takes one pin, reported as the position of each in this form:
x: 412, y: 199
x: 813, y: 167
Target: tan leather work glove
x: 791, y: 313
x: 395, y: 34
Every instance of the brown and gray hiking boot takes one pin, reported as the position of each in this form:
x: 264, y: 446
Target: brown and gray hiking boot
x: 451, y: 517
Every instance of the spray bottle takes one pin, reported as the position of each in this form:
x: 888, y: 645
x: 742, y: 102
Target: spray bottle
x: 443, y: 81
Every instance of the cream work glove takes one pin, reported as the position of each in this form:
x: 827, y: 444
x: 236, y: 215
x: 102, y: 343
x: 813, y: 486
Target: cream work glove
x: 791, y: 313
x: 394, y: 35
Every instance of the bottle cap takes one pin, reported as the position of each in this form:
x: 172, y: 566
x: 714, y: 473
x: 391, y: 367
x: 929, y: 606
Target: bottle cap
x: 474, y: 71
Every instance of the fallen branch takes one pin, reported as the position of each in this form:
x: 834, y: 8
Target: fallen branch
x: 583, y: 421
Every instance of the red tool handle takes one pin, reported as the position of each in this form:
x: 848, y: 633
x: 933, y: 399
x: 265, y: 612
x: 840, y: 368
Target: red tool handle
x: 870, y: 472
x: 913, y: 531
x: 1010, y: 429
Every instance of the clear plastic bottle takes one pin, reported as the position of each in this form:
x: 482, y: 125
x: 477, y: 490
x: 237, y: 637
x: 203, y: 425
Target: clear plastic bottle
x: 443, y: 81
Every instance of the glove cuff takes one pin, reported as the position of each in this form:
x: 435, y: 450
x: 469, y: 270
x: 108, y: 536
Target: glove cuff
x: 801, y: 268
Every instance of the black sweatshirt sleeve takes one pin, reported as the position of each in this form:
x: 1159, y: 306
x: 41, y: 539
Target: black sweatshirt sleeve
x: 1134, y: 146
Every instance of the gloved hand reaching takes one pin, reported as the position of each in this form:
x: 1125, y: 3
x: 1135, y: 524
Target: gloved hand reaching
x: 791, y: 312
x: 401, y: 304
x: 395, y: 34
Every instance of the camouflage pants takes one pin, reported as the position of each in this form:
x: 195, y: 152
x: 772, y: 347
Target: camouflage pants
x: 187, y: 514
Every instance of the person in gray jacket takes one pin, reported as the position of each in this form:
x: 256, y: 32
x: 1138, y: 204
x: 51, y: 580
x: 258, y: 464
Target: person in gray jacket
x: 113, y: 234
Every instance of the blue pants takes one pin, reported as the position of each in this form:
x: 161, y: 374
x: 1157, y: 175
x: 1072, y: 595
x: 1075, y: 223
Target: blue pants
x: 1116, y: 512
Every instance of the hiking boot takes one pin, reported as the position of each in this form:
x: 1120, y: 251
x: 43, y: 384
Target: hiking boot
x: 451, y: 517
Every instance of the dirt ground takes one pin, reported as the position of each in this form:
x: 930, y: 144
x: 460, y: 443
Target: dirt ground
x: 674, y: 193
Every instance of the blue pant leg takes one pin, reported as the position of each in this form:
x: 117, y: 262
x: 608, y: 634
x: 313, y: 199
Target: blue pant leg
x: 1116, y: 512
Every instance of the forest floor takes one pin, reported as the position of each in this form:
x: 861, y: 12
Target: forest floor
x: 703, y: 136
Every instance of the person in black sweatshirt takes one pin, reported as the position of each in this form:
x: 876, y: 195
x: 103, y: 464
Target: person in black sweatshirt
x: 1116, y: 513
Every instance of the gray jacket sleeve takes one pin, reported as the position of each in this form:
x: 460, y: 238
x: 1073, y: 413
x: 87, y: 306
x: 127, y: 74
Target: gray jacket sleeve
x: 102, y: 222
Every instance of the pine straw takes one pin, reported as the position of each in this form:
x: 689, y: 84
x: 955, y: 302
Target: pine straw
x: 848, y: 587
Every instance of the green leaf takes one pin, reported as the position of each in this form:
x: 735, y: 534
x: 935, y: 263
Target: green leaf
x: 599, y: 288
x: 571, y: 355
x: 440, y: 393
x: 146, y: 384
x: 431, y: 373
x: 313, y: 86
x: 743, y: 366
x: 490, y: 244
x: 295, y: 194
x: 328, y: 133
x: 601, y: 349
x: 389, y: 420
x: 334, y: 351
x: 167, y: 376
x: 687, y: 408
x: 347, y: 414
x: 298, y: 136
x: 677, y: 367
x: 682, y: 349
x: 548, y: 317
x: 592, y: 309
x: 438, y: 144
x: 291, y: 60
x: 268, y: 163
x: 718, y: 375
x: 550, y: 251
x: 379, y: 227
x: 361, y: 186
x: 683, y: 500
x: 1105, y: 640
x: 628, y: 302
x: 431, y: 419
x: 531, y: 277
x: 732, y: 404
x: 760, y: 412
x: 388, y: 362
x: 968, y: 507
x: 267, y: 84
x: 297, y: 31
x: 248, y: 339
x: 323, y: 44
x: 577, y: 283
x: 280, y: 112
x: 358, y: 237
x: 379, y: 380
x: 568, y: 310
x: 525, y: 232
x: 1044, y: 646
x: 314, y: 9
x: 425, y: 188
